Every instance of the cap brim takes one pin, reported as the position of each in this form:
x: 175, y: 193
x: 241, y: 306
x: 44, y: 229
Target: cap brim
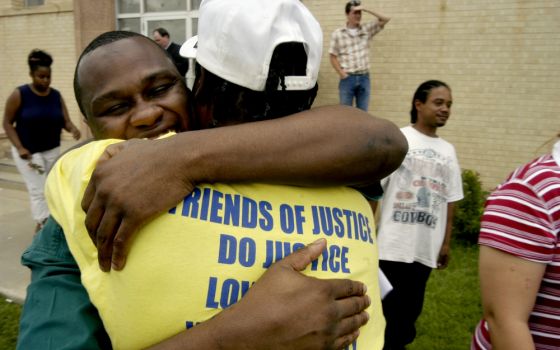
x: 188, y: 49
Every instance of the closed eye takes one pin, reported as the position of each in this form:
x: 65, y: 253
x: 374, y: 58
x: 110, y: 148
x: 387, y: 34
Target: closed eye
x: 116, y: 109
x: 161, y: 89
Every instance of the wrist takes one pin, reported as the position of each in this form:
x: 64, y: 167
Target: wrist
x: 188, y: 153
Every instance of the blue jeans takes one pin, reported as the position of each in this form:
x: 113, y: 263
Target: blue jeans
x: 358, y: 86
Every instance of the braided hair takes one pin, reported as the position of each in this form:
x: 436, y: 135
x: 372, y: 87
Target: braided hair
x: 421, y: 95
x: 232, y: 103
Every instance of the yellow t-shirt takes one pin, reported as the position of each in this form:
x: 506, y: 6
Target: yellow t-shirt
x: 203, y: 255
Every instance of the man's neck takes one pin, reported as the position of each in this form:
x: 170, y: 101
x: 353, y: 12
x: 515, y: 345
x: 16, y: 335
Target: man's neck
x: 426, y: 130
x: 352, y: 26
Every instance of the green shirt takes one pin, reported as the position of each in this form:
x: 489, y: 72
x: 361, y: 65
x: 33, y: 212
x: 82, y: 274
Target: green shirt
x: 57, y: 313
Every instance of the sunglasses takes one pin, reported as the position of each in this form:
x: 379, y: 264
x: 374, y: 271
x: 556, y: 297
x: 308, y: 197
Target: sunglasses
x: 355, y: 3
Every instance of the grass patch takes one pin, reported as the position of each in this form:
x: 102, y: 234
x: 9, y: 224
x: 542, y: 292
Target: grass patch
x: 452, y: 304
x: 9, y: 321
x: 451, y: 308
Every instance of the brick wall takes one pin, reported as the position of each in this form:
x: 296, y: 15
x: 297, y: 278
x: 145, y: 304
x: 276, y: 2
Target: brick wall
x: 501, y: 58
x: 50, y: 28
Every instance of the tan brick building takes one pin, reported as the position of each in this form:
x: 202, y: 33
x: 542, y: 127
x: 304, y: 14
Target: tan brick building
x: 501, y: 58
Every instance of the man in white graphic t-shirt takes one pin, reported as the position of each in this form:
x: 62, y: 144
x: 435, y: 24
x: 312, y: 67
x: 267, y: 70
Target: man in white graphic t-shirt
x: 417, y: 212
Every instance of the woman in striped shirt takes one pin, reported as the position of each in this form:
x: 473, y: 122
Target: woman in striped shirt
x: 520, y: 260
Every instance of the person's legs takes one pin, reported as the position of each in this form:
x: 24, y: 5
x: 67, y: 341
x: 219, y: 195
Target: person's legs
x: 50, y: 157
x: 403, y: 305
x: 363, y: 90
x: 346, y: 90
x: 35, y: 183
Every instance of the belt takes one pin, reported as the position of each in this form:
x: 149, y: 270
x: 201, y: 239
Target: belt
x: 363, y: 72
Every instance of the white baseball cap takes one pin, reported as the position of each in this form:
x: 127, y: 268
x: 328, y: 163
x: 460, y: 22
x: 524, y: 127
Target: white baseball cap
x: 188, y: 49
x: 236, y: 40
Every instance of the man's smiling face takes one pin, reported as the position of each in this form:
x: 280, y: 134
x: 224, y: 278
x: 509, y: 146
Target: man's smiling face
x: 132, y: 89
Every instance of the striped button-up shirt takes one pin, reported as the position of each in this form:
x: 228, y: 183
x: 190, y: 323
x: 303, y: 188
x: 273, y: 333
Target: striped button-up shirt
x: 351, y: 49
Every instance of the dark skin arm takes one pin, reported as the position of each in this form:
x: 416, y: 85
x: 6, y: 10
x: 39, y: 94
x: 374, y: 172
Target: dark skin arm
x: 68, y: 125
x: 12, y: 105
x: 325, y: 146
x: 443, y: 258
x: 327, y: 315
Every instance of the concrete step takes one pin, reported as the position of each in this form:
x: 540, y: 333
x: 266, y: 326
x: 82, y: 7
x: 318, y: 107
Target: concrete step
x: 8, y: 165
x: 10, y: 178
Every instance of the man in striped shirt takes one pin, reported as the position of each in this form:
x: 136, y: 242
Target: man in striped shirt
x: 349, y: 54
x: 520, y: 260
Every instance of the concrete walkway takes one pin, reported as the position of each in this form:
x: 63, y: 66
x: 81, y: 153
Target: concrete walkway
x: 16, y: 233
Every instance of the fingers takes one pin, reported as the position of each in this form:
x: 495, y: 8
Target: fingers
x: 354, y: 317
x: 104, y: 240
x: 111, y: 151
x: 350, y: 330
x: 93, y: 212
x: 121, y: 244
x: 351, y: 306
x: 443, y: 261
x: 344, y: 288
x: 303, y: 257
x: 111, y: 234
x: 345, y: 341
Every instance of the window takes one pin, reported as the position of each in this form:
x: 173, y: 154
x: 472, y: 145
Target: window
x: 179, y: 17
x: 30, y: 3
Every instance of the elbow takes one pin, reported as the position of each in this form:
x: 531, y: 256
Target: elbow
x: 332, y: 59
x: 386, y: 148
x: 6, y: 124
x: 394, y: 146
x: 384, y: 21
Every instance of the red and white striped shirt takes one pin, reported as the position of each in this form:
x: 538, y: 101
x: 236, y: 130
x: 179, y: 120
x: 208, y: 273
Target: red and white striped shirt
x: 522, y: 217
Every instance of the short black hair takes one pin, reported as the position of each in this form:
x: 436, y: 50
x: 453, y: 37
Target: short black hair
x: 232, y: 103
x: 38, y: 58
x: 99, y: 41
x: 350, y: 4
x: 421, y: 95
x: 161, y: 31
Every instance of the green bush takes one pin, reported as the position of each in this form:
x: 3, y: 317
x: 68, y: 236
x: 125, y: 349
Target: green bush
x: 468, y: 211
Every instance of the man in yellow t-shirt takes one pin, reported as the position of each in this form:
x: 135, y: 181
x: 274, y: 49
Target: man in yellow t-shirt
x: 203, y: 255
x: 234, y: 231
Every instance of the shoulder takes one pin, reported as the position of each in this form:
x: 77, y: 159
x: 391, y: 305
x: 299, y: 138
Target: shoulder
x: 338, y: 32
x: 524, y: 209
x: 20, y: 91
x: 85, y: 152
x: 55, y: 93
x: 16, y: 94
x: 174, y: 48
x: 13, y: 103
x: 536, y: 183
x: 447, y: 144
x: 541, y: 172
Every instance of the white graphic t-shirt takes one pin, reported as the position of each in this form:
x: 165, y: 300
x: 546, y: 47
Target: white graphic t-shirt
x: 414, y: 207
